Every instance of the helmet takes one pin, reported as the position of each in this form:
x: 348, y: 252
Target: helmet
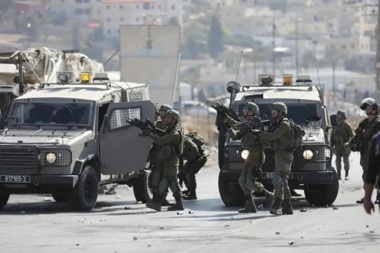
x: 342, y: 113
x: 366, y: 102
x: 252, y: 107
x: 281, y: 107
x: 165, y: 108
x: 174, y: 114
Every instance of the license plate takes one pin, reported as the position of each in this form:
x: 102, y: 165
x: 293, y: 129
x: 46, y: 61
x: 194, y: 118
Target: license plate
x: 270, y: 175
x: 15, y: 179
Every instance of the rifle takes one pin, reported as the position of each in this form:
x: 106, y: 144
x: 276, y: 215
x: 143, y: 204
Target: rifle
x: 145, y: 126
x: 222, y: 110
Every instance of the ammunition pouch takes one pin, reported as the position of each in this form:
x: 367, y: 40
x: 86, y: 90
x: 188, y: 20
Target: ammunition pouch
x: 166, y: 153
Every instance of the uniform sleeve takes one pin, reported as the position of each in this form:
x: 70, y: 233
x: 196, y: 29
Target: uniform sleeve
x: 230, y: 121
x: 373, y: 164
x: 350, y: 133
x: 332, y: 142
x: 166, y: 139
x: 282, y: 129
x: 234, y: 134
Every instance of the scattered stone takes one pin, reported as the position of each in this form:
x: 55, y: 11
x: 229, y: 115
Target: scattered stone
x: 291, y: 243
x: 371, y: 232
x: 47, y: 199
x: 149, y: 245
x: 77, y: 244
x: 227, y: 226
x: 135, y: 238
x: 23, y: 212
x: 179, y: 213
x: 118, y: 197
x: 161, y: 227
x: 301, y: 237
x: 127, y: 208
x: 366, y: 226
x: 303, y: 210
x: 191, y: 212
x: 335, y: 208
x: 277, y: 233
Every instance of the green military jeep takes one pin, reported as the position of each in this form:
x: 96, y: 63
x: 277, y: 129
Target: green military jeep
x: 71, y: 139
x: 311, y: 170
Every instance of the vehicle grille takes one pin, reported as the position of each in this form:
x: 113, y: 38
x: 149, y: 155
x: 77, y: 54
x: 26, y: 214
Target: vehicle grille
x: 18, y: 160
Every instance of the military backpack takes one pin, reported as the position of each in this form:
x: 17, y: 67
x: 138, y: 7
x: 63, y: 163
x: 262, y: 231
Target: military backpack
x: 194, y: 137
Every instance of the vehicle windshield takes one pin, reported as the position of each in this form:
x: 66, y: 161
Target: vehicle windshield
x: 50, y: 113
x: 299, y: 113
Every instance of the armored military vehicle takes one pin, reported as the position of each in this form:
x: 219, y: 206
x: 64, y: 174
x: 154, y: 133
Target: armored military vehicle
x: 311, y: 170
x: 70, y: 139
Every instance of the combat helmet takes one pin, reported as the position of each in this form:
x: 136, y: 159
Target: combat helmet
x: 165, y: 108
x: 342, y: 113
x: 281, y: 107
x: 174, y: 114
x: 366, y: 102
x: 252, y: 107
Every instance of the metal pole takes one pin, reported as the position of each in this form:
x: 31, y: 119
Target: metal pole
x: 296, y: 37
x: 20, y: 75
x: 274, y: 46
x: 378, y: 53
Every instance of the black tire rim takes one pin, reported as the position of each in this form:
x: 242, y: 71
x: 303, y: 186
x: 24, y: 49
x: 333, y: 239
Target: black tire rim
x: 88, y: 190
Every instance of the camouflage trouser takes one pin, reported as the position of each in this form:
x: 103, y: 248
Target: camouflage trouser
x: 283, y: 165
x: 364, y: 164
x: 156, y: 171
x: 339, y: 154
x: 190, y: 170
x: 248, y: 176
x: 169, y: 179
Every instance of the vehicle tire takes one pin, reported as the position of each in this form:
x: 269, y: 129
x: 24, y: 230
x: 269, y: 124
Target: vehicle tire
x: 85, y: 193
x: 322, y: 195
x: 141, y: 187
x: 59, y: 197
x: 4, y: 197
x: 230, y: 191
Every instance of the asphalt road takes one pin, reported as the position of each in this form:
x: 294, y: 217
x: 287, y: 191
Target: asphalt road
x: 31, y: 223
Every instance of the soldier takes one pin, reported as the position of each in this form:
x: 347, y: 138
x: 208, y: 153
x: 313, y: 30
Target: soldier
x: 155, y: 163
x: 363, y: 134
x: 373, y: 174
x: 195, y: 158
x: 280, y: 137
x: 171, y: 147
x: 341, y: 134
x: 252, y: 165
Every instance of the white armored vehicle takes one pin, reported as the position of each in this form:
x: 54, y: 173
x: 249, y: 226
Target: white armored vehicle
x: 311, y: 170
x: 70, y: 139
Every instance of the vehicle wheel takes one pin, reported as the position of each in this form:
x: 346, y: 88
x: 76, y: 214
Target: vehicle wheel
x: 230, y: 192
x: 322, y: 195
x: 141, y: 187
x: 85, y: 193
x: 4, y: 197
x: 59, y: 197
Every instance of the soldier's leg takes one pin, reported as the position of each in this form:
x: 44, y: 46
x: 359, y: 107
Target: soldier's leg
x: 338, y: 162
x: 176, y: 190
x: 243, y: 176
x: 346, y: 163
x: 192, y: 185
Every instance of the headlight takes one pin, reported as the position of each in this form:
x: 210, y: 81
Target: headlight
x: 308, y: 154
x: 51, y: 157
x: 244, y: 154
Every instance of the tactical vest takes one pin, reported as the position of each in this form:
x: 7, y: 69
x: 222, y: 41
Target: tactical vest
x: 284, y: 143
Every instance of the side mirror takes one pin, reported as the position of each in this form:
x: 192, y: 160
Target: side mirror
x: 333, y: 120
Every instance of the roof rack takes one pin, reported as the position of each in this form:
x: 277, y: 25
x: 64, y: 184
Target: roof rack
x: 106, y: 84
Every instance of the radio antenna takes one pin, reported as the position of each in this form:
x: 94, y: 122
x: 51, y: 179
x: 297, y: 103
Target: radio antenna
x: 238, y: 69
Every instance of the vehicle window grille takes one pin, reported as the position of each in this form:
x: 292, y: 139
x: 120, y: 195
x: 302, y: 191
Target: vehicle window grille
x: 120, y: 115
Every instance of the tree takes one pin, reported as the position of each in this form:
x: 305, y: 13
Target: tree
x: 215, y: 38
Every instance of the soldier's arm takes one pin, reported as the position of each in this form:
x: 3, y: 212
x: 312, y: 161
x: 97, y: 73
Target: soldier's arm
x: 166, y: 139
x: 234, y: 134
x: 350, y: 132
x: 282, y: 129
x: 230, y: 121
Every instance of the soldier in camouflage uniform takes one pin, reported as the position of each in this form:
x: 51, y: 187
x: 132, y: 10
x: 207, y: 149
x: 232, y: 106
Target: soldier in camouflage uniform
x: 171, y: 147
x: 251, y: 170
x: 363, y: 134
x: 155, y: 163
x: 280, y: 138
x: 341, y: 134
x: 192, y: 160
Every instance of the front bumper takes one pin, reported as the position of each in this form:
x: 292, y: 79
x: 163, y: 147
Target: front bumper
x: 41, y: 184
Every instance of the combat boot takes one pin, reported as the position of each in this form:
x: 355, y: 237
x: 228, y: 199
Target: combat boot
x: 339, y: 175
x: 276, y: 207
x: 287, y: 209
x: 346, y: 176
x: 377, y: 201
x: 250, y: 207
x: 165, y: 202
x: 192, y: 195
x: 269, y: 198
x: 178, y: 205
x: 156, y: 203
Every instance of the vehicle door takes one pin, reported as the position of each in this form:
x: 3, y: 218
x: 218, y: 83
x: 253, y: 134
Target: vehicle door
x: 121, y: 148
